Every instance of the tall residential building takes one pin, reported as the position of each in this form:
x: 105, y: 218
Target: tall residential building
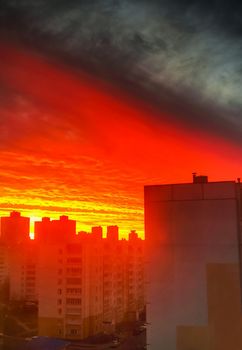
x: 112, y: 233
x: 135, y: 279
x: 113, y: 277
x: 18, y: 258
x: 123, y: 278
x: 14, y: 229
x: 83, y: 284
x: 55, y: 231
x: 61, y: 274
x: 4, y: 268
x: 193, y: 237
x: 22, y: 272
x: 70, y: 306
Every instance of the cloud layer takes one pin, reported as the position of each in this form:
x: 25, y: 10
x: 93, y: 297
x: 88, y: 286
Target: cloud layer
x: 182, y: 55
x: 76, y: 145
x: 99, y: 98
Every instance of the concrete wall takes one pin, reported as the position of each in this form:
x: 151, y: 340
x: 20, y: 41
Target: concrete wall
x: 187, y: 227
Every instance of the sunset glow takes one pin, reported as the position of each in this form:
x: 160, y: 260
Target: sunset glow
x: 73, y: 145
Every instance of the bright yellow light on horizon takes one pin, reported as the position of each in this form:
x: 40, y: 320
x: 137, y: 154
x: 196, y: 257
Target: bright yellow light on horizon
x: 32, y: 221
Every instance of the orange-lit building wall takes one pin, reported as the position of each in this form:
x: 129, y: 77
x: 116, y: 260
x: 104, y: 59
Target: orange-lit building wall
x: 188, y: 227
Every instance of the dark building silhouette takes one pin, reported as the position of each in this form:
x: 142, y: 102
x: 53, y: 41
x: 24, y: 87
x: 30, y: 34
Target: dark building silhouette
x: 133, y: 235
x: 14, y: 228
x: 55, y: 231
x: 97, y: 232
x: 112, y: 233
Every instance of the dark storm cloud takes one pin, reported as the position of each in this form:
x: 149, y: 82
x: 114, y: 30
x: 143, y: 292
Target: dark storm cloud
x: 184, y: 55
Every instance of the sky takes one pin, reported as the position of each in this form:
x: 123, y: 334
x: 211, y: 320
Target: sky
x: 98, y: 99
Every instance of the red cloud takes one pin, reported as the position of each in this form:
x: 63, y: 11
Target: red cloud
x: 72, y: 143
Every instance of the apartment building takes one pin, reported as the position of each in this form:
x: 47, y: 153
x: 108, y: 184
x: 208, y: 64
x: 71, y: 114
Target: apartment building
x: 83, y: 284
x: 14, y: 229
x: 135, y: 278
x: 18, y: 258
x: 22, y: 272
x: 4, y: 263
x: 193, y: 238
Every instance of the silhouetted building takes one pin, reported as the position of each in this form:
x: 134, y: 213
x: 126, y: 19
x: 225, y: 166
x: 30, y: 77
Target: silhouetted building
x: 193, y: 238
x: 14, y: 229
x: 112, y: 233
x: 43, y: 230
x: 55, y: 231
x: 97, y: 232
x: 82, y: 283
x: 133, y: 235
x: 4, y: 266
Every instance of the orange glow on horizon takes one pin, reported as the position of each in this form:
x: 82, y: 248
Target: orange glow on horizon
x: 76, y: 146
x: 33, y: 219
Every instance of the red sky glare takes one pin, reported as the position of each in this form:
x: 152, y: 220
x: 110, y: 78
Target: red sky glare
x: 73, y: 144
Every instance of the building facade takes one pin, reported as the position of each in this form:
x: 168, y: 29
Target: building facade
x: 18, y: 258
x: 90, y: 286
x: 193, y: 238
x: 83, y: 284
x: 4, y: 271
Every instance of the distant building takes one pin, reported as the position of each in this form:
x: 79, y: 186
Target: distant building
x: 61, y: 265
x: 64, y: 291
x: 18, y: 258
x: 22, y: 270
x: 4, y: 267
x: 87, y: 285
x: 114, y: 253
x: 135, y: 278
x: 193, y: 237
x: 97, y: 232
x: 112, y: 233
x: 55, y: 231
x: 83, y: 284
x: 14, y: 229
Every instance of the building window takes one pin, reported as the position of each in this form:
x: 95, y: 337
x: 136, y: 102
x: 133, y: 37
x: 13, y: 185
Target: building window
x: 73, y: 311
x: 73, y: 280
x: 74, y: 260
x: 73, y: 301
x: 30, y: 284
x: 30, y: 278
x: 73, y: 290
x: 74, y: 270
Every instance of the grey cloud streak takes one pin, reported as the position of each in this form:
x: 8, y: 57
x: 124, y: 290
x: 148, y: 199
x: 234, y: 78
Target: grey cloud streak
x: 185, y: 55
